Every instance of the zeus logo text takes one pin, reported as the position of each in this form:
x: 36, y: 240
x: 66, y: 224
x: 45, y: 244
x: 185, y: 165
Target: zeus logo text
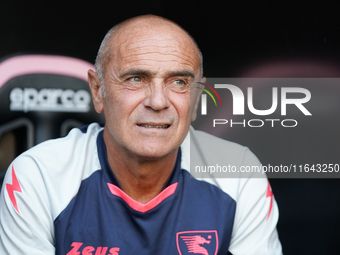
x: 56, y: 100
x: 90, y: 250
x: 238, y: 100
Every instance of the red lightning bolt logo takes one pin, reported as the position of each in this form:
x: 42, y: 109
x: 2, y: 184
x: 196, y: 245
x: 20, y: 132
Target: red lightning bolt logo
x: 269, y: 194
x: 15, y: 186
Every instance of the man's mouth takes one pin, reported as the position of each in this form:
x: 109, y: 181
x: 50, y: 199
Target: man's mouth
x: 154, y: 126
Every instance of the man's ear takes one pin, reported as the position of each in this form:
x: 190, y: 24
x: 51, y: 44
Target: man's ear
x: 194, y: 113
x: 96, y: 92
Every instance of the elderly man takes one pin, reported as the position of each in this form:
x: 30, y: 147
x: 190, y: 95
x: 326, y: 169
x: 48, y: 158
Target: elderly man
x: 125, y: 188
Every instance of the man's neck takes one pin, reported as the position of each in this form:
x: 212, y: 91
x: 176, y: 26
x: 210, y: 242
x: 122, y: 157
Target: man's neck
x: 141, y: 179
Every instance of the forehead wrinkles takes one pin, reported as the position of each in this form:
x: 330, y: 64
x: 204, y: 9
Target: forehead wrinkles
x: 158, y: 54
x: 163, y: 49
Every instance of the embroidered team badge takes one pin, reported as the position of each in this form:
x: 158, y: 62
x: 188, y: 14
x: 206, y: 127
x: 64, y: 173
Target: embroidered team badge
x: 197, y: 242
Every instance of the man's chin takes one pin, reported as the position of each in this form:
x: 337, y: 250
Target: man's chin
x: 153, y: 153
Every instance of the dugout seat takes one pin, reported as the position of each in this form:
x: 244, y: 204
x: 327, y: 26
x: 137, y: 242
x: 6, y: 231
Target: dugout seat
x: 41, y: 97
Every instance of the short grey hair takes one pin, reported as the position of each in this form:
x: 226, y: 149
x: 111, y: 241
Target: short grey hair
x: 103, y: 56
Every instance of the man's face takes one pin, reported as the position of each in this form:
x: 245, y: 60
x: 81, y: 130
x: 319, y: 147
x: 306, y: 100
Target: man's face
x: 148, y: 83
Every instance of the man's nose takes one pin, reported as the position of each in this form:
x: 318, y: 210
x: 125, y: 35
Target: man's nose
x: 157, y: 97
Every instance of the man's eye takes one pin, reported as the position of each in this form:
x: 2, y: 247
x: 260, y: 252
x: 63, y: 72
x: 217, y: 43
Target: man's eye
x: 179, y: 86
x: 179, y: 82
x: 136, y: 79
